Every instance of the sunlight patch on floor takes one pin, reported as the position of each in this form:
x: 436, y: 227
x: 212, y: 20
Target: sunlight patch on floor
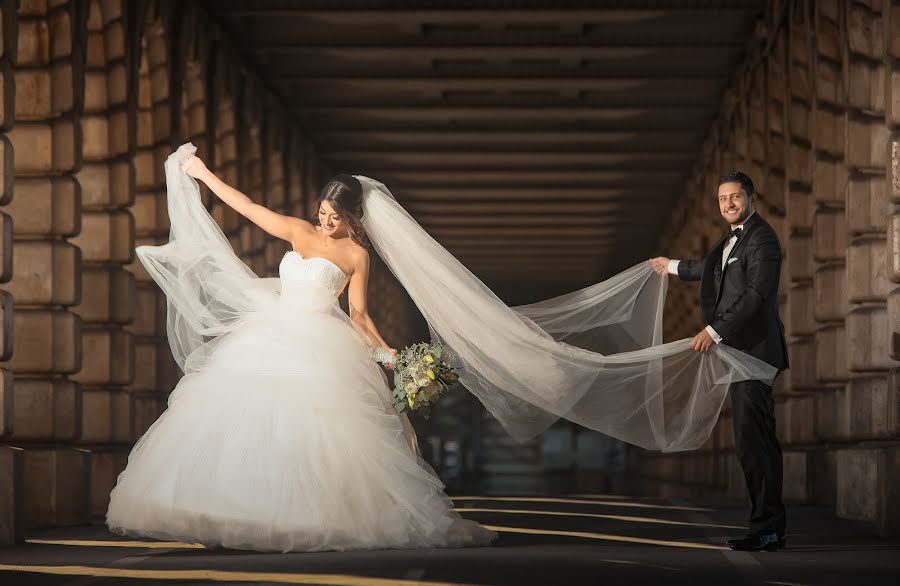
x: 107, y: 543
x: 595, y: 516
x: 607, y: 537
x: 222, y: 576
x: 532, y: 499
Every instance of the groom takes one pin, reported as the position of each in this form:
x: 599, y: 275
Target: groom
x: 739, y: 296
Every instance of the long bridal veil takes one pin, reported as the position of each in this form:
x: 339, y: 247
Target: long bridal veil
x: 209, y: 290
x: 594, y: 356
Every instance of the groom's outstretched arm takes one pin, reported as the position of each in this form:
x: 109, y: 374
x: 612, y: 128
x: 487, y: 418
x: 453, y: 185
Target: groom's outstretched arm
x: 687, y: 270
x: 763, y: 267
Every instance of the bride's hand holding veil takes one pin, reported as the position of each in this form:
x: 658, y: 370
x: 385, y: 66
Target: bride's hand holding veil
x: 278, y: 225
x: 194, y: 166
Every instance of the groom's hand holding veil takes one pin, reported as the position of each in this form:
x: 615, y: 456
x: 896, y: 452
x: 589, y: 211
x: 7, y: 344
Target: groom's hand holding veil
x: 660, y: 265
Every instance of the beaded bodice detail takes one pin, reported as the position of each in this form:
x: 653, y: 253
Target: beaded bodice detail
x: 295, y: 268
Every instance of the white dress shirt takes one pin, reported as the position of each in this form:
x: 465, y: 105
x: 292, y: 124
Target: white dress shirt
x: 726, y: 252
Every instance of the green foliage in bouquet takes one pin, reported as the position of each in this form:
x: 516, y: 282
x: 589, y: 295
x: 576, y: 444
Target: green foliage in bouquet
x: 421, y: 373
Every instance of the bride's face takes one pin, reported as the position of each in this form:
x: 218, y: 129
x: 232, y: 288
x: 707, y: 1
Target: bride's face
x: 330, y: 220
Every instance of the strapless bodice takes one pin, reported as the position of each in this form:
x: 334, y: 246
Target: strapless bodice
x: 299, y: 270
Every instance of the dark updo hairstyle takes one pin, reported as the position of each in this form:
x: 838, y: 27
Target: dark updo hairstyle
x: 344, y: 194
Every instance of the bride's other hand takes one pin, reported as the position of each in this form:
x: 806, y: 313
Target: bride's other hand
x: 660, y: 264
x: 390, y: 365
x: 194, y: 167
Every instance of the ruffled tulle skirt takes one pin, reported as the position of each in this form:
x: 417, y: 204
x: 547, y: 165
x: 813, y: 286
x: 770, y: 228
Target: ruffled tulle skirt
x: 286, y: 440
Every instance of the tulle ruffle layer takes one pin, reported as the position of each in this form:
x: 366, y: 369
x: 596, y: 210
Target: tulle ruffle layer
x: 286, y: 441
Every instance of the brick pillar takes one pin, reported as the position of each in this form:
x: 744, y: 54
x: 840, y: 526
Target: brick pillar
x: 274, y: 185
x: 193, y: 116
x: 225, y: 163
x: 312, y: 181
x: 155, y: 371
x: 11, y: 458
x: 829, y: 241
x: 47, y: 212
x: 294, y: 174
x: 794, y: 409
x: 107, y: 245
x: 859, y: 493
x: 813, y: 285
x: 253, y: 239
x: 890, y: 460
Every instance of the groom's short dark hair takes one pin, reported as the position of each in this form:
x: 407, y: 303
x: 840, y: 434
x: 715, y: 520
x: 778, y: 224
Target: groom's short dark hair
x: 738, y: 177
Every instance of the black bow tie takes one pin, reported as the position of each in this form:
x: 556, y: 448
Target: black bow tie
x: 736, y: 232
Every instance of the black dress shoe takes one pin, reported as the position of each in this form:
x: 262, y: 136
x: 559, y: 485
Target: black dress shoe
x: 762, y: 542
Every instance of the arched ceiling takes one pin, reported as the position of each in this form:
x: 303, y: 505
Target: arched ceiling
x: 542, y: 142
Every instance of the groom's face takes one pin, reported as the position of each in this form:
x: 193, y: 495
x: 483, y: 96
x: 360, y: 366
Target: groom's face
x: 734, y: 204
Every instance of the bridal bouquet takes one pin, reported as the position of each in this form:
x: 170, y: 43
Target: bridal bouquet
x: 421, y: 373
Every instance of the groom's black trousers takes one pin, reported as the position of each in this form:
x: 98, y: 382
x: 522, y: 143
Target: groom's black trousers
x: 758, y: 450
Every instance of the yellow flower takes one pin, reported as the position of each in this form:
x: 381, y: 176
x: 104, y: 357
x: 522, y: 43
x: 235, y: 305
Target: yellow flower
x: 429, y: 359
x: 410, y: 399
x: 430, y: 374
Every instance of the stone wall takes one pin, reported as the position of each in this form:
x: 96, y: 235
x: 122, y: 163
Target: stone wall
x: 814, y: 120
x: 95, y: 95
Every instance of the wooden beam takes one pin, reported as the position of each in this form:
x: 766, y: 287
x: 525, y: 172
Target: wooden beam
x: 685, y: 139
x: 346, y: 90
x: 703, y: 56
x: 552, y: 193
x: 605, y: 220
x: 618, y: 16
x: 558, y: 253
x: 547, y: 207
x: 478, y: 160
x: 527, y: 183
x: 599, y: 240
x: 516, y: 231
x: 507, y: 117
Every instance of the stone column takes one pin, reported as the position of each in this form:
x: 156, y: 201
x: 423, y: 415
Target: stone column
x: 47, y: 282
x: 253, y: 238
x: 11, y: 458
x: 107, y: 245
x: 859, y: 468
x: 155, y: 370
x: 225, y: 161
x: 273, y: 172
x: 294, y: 166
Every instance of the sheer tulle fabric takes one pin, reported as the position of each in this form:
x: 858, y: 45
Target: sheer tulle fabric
x: 209, y: 290
x: 593, y: 356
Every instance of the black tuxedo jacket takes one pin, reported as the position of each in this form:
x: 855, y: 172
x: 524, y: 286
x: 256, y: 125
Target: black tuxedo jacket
x: 740, y: 300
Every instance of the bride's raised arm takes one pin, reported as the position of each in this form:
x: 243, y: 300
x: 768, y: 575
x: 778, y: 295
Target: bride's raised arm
x: 278, y: 225
x: 356, y: 295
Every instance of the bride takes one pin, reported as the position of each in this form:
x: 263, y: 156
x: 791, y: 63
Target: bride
x: 282, y: 436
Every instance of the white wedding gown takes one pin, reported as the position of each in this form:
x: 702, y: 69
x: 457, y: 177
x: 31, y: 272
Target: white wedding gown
x: 286, y: 440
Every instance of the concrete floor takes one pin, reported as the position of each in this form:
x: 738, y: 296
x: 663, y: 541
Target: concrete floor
x: 568, y: 540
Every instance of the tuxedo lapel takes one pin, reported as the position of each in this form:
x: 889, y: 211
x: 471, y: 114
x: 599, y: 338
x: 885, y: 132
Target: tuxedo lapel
x: 749, y: 225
